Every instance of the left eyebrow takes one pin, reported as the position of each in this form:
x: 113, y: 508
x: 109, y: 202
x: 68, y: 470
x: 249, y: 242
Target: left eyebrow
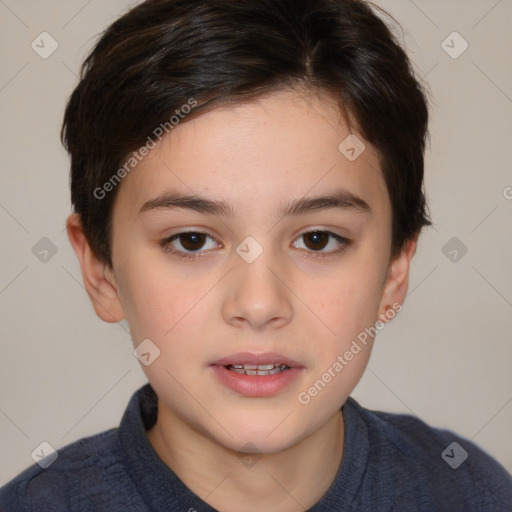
x: 340, y: 200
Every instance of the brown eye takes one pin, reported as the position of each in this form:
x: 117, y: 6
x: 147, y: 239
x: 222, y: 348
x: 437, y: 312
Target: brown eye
x: 322, y: 243
x: 189, y: 244
x: 316, y: 240
x: 192, y: 241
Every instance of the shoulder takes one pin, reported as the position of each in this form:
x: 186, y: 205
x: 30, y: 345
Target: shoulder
x: 80, y: 468
x: 438, y: 462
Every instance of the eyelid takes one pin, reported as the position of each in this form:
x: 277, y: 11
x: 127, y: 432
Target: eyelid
x: 194, y: 230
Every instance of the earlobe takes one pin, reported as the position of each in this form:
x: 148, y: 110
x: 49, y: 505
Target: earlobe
x: 98, y: 277
x: 397, y: 281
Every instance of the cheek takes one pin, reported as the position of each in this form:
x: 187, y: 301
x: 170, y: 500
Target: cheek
x: 159, y: 303
x: 169, y: 311
x: 349, y: 306
x: 348, y: 302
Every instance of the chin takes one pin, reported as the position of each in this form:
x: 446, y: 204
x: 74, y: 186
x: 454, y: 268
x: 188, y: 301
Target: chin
x: 261, y: 433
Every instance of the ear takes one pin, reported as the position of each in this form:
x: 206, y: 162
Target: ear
x: 98, y: 277
x: 397, y: 281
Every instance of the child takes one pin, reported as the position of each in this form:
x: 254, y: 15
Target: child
x: 247, y: 187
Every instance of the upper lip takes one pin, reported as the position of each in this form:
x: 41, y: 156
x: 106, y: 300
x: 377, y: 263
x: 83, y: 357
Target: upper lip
x: 251, y: 358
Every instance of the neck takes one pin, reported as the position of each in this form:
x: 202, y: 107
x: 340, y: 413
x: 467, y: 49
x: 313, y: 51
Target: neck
x: 291, y: 480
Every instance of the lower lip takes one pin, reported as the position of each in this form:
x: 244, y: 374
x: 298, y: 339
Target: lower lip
x: 256, y: 385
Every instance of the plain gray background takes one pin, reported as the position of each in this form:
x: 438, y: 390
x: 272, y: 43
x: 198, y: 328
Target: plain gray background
x: 446, y: 358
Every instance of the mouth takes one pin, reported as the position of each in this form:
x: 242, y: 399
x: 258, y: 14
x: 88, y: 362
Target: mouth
x: 257, y: 369
x: 256, y: 375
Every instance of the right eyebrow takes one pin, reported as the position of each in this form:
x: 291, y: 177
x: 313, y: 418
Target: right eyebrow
x: 198, y: 204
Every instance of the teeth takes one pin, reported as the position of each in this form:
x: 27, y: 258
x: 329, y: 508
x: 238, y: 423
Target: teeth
x: 266, y: 367
x: 257, y: 369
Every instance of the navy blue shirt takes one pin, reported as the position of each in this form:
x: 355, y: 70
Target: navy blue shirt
x: 391, y: 462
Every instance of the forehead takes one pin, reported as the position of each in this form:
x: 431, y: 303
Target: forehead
x: 257, y: 155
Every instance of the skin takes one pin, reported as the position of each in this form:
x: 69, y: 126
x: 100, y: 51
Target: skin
x: 256, y: 157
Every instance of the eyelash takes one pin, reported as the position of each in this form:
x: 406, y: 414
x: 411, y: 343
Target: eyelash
x: 166, y: 245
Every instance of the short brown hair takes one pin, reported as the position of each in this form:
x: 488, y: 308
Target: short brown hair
x: 163, y: 53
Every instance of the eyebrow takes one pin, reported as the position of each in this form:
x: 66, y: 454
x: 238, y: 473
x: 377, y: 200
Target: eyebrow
x: 338, y: 200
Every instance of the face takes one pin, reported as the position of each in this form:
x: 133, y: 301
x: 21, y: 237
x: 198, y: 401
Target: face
x: 254, y: 254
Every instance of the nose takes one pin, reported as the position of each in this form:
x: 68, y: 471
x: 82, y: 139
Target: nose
x: 256, y: 295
